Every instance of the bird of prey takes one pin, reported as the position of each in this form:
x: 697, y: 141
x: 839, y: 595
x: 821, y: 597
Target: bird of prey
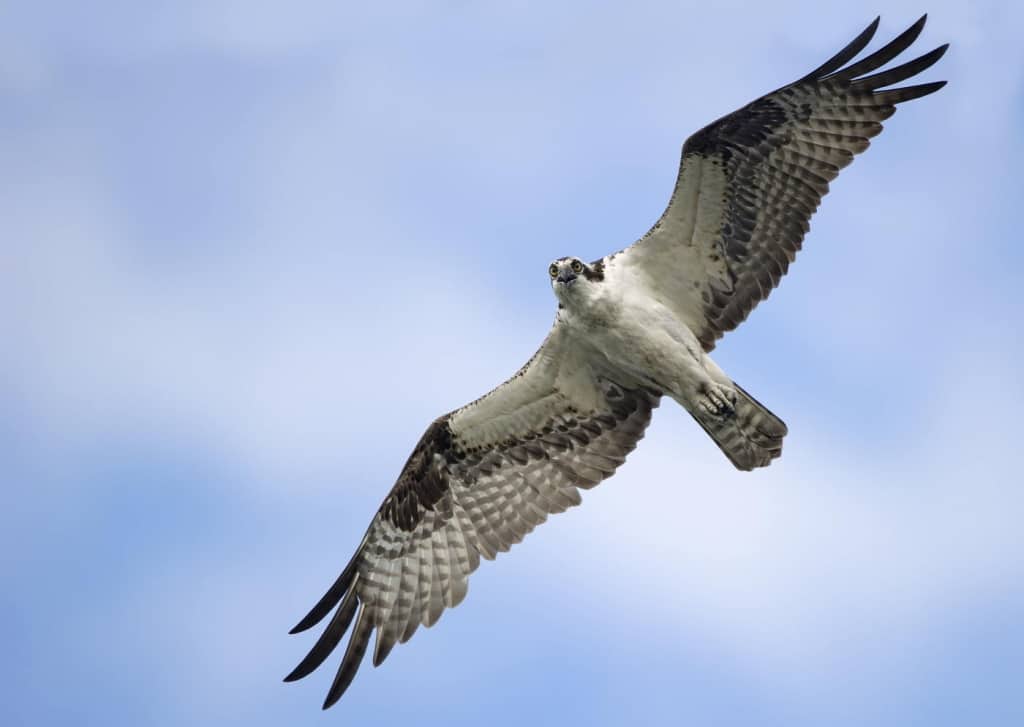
x: 631, y: 328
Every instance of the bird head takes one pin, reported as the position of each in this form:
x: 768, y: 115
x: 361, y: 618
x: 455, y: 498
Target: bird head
x: 572, y: 279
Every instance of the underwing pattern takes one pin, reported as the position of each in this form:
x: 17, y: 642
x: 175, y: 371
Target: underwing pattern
x: 630, y: 328
x: 456, y: 502
x: 749, y: 182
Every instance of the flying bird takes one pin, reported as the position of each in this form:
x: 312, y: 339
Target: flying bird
x: 630, y: 328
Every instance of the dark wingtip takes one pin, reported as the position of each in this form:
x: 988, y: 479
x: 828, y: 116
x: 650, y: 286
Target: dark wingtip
x: 353, y: 657
x: 901, y: 72
x: 915, y: 30
x: 845, y: 55
x: 330, y: 638
x: 884, y: 54
x: 869, y: 32
x: 325, y: 604
x: 330, y: 599
x: 308, y: 621
x: 906, y: 93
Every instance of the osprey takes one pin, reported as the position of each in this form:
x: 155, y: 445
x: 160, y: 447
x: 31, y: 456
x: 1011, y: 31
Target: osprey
x: 631, y: 328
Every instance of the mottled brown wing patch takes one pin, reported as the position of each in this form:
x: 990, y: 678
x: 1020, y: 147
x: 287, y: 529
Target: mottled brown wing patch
x: 423, y: 480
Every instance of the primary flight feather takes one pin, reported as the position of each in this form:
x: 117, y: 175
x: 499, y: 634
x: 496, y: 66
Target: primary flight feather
x: 632, y: 327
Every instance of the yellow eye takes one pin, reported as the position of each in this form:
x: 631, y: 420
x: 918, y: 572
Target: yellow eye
x: 553, y: 271
x: 577, y: 267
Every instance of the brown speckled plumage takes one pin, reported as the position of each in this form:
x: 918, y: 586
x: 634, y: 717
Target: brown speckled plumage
x: 485, y: 475
x: 778, y: 155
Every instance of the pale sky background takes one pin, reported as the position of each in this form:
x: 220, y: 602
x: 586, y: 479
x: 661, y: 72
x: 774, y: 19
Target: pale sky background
x: 250, y: 250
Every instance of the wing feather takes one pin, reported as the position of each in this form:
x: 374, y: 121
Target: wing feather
x: 750, y: 182
x: 353, y: 657
x: 480, y: 479
x: 884, y: 54
x: 329, y: 639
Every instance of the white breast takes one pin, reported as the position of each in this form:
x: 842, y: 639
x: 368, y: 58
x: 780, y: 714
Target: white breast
x: 632, y: 331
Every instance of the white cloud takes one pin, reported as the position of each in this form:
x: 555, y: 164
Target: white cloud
x: 830, y: 557
x: 370, y: 293
x: 834, y: 569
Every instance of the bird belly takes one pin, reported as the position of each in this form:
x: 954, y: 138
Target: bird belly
x: 646, y: 341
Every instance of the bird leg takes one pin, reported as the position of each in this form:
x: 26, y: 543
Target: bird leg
x: 717, y: 400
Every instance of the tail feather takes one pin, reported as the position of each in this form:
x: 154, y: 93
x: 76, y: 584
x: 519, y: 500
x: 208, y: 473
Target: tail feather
x: 750, y: 436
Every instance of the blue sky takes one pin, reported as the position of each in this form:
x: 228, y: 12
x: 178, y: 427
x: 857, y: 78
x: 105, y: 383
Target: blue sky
x: 249, y: 251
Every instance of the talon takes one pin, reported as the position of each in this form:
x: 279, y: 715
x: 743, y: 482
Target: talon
x: 718, y: 401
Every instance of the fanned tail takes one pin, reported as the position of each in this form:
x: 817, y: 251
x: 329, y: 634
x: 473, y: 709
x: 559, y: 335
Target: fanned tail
x: 750, y: 436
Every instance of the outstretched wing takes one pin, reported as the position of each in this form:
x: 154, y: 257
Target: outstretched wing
x: 479, y: 480
x: 749, y: 183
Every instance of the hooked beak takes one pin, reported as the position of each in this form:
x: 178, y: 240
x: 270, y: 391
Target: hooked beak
x: 566, y: 278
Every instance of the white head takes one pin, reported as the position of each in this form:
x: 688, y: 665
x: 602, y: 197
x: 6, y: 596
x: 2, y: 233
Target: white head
x: 573, y: 280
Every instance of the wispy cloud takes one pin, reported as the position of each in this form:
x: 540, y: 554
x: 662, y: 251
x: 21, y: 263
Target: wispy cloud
x: 269, y: 245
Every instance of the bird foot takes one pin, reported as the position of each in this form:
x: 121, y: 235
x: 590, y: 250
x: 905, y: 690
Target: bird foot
x: 717, y: 400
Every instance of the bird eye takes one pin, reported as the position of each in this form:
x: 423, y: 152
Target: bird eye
x: 553, y: 270
x: 577, y: 267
